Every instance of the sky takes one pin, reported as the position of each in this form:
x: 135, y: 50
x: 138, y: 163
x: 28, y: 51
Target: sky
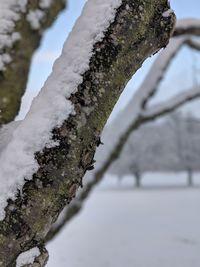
x: 180, y: 75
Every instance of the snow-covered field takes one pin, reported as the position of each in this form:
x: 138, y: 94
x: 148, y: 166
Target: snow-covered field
x: 155, y: 226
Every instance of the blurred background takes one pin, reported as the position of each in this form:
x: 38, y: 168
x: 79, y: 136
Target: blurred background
x: 145, y: 212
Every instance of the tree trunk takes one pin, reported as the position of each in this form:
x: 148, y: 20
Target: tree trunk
x: 190, y: 177
x: 138, y: 180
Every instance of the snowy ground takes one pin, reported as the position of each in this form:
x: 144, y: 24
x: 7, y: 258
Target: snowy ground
x: 156, y: 226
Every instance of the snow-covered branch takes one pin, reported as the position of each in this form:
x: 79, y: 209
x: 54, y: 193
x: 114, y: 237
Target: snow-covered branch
x: 54, y: 145
x: 187, y: 26
x: 33, y: 257
x: 151, y: 82
x: 194, y: 44
x: 131, y: 118
x: 171, y: 104
x: 21, y: 26
x: 156, y: 74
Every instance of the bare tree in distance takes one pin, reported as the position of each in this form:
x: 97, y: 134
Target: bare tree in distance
x: 186, y: 140
x: 135, y: 166
x: 172, y: 145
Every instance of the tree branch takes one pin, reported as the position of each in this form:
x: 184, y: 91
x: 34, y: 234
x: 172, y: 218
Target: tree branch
x: 113, y: 59
x: 187, y: 26
x: 193, y: 44
x: 156, y: 74
x: 17, y: 45
x: 35, y: 257
x: 171, y: 104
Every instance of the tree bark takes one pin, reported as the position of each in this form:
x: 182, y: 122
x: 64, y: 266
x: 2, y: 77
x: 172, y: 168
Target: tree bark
x: 138, y: 31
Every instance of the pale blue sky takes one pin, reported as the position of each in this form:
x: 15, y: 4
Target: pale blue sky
x: 179, y: 76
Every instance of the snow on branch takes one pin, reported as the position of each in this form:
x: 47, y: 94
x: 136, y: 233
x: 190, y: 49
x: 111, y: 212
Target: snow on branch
x: 18, y: 41
x: 6, y: 133
x: 194, y: 44
x: 150, y: 84
x: 27, y: 257
x: 42, y: 166
x: 187, y: 26
x: 11, y: 12
x: 53, y: 104
x: 152, y: 80
x: 171, y: 104
x: 33, y: 257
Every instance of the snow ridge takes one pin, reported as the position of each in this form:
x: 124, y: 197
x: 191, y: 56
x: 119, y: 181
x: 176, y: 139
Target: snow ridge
x: 51, y: 107
x: 27, y: 257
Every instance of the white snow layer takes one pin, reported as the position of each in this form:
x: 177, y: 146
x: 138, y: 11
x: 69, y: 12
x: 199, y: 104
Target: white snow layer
x: 188, y: 23
x: 45, y: 3
x: 27, y: 257
x: 6, y: 133
x: 168, y: 13
x: 51, y: 107
x: 34, y: 17
x: 174, y: 101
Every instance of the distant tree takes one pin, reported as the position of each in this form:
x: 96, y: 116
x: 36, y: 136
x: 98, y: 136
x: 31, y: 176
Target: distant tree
x: 135, y: 153
x: 136, y: 171
x: 186, y: 132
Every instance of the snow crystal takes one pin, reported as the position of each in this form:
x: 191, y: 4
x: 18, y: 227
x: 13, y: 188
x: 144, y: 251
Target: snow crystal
x: 6, y: 134
x: 45, y: 3
x: 167, y: 13
x: 34, y: 18
x: 4, y: 59
x: 51, y: 107
x: 27, y: 257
